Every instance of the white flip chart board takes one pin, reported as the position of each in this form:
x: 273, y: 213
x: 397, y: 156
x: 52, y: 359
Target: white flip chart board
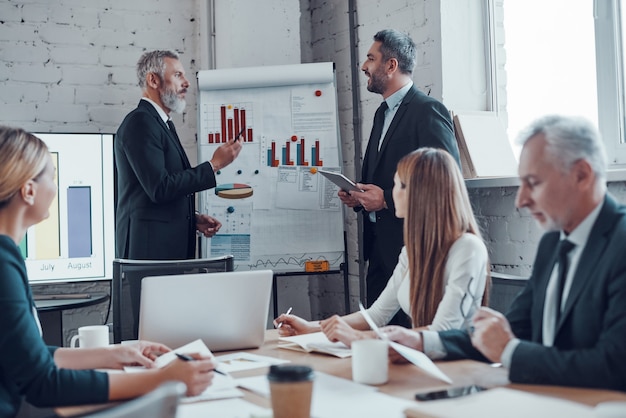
x: 277, y: 212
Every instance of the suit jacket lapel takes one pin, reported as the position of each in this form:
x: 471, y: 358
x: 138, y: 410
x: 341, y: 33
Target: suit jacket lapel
x: 175, y: 141
x: 395, y: 122
x: 592, y: 253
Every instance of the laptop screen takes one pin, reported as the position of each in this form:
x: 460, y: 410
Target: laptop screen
x: 227, y: 310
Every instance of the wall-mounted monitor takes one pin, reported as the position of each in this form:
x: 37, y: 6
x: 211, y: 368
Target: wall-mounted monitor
x: 77, y: 241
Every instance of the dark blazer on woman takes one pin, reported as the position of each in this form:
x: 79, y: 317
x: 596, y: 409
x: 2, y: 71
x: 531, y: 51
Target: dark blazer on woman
x: 155, y: 216
x: 590, y: 342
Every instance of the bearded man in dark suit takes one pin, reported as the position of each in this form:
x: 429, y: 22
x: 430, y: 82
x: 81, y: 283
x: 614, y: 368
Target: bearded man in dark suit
x: 156, y: 184
x: 407, y: 120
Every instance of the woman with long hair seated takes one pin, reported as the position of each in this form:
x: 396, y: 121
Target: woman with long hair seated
x: 52, y: 376
x: 442, y: 275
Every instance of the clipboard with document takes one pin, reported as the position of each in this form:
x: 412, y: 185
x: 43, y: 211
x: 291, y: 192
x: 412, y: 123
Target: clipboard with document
x: 343, y: 182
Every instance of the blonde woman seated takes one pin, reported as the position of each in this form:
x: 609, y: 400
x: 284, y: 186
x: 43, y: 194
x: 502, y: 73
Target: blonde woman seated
x: 51, y: 376
x: 442, y: 272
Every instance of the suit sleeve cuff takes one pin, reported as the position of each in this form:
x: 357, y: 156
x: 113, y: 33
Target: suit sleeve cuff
x: 433, y: 347
x: 507, y: 353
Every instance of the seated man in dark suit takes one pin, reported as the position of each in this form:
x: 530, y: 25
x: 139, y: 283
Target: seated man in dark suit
x: 568, y: 326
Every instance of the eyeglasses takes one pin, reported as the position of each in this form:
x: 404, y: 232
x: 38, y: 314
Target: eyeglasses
x: 467, y: 314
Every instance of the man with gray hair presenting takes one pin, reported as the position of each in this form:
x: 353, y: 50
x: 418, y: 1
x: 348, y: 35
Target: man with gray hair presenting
x: 568, y: 326
x: 156, y: 184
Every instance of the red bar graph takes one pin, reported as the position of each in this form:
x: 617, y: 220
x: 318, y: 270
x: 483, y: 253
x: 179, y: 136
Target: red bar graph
x: 228, y: 120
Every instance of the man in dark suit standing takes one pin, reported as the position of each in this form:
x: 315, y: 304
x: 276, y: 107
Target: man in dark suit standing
x: 156, y: 185
x: 406, y: 120
x: 568, y: 326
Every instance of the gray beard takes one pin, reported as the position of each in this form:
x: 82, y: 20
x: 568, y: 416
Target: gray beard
x: 173, y: 102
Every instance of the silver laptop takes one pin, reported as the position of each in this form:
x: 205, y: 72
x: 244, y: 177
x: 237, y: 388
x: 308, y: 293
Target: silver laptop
x: 228, y: 311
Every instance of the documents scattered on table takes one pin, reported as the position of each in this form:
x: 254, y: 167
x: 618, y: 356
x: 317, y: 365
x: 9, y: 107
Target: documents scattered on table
x: 223, y: 385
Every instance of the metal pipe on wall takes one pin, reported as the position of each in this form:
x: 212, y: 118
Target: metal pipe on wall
x: 356, y: 126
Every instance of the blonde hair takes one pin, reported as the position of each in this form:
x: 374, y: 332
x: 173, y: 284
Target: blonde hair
x: 438, y: 213
x: 23, y: 156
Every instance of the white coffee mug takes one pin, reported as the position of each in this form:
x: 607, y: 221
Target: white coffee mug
x: 370, y: 361
x: 91, y: 336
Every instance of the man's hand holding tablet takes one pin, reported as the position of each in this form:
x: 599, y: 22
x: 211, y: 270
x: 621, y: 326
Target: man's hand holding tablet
x: 343, y: 182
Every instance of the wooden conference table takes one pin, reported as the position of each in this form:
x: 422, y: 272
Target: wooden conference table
x: 405, y: 380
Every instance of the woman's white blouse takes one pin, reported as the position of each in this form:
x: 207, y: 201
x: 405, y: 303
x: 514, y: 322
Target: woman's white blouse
x: 465, y: 275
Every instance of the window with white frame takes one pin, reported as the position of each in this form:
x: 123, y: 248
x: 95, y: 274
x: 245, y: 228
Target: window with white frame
x: 563, y: 57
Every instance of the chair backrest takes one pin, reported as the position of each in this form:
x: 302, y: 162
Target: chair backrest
x: 504, y: 289
x: 126, y: 286
x: 160, y: 403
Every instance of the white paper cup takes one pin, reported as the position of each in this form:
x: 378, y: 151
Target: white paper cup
x: 370, y: 361
x: 91, y: 336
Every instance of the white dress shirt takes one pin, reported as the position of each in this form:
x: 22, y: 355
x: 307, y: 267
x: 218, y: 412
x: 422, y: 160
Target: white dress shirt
x: 465, y: 275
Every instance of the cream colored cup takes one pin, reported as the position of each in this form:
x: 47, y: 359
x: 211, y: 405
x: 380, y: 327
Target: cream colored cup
x: 370, y: 361
x: 91, y: 336
x: 291, y: 389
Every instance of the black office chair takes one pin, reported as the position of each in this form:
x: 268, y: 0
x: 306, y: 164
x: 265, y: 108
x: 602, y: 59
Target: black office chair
x: 504, y: 289
x: 160, y: 403
x: 126, y: 286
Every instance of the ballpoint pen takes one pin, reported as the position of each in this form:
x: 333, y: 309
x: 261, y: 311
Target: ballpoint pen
x: 280, y: 324
x: 185, y: 357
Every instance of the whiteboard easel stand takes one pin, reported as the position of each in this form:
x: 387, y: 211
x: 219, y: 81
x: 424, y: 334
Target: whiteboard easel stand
x: 343, y: 269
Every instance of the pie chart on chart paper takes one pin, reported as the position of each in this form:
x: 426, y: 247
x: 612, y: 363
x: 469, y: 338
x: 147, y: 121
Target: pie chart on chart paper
x: 233, y: 191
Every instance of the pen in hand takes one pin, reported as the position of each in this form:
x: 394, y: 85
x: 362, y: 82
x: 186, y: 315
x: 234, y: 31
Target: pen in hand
x: 185, y: 357
x: 280, y: 324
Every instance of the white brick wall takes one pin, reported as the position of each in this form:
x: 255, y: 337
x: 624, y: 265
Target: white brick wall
x: 68, y: 65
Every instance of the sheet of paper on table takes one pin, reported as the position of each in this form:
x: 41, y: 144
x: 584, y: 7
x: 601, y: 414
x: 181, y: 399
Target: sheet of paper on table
x: 337, y: 397
x: 416, y: 357
x: 236, y: 362
x: 226, y: 408
x: 501, y: 402
x: 315, y: 342
x: 223, y: 385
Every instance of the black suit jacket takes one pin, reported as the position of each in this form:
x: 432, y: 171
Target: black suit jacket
x: 420, y: 121
x: 155, y: 216
x: 590, y: 341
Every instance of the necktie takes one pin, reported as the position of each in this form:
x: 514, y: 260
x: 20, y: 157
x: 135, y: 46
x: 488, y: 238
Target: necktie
x: 170, y: 125
x: 375, y: 137
x: 565, y: 247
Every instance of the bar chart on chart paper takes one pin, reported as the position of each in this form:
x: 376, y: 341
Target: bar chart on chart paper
x: 70, y: 242
x: 293, y: 151
x: 286, y: 214
x: 224, y: 121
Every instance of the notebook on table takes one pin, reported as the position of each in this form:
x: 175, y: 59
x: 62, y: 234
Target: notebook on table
x: 227, y: 310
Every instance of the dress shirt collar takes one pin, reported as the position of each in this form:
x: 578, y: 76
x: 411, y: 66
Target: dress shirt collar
x: 159, y: 110
x: 395, y: 99
x: 580, y: 234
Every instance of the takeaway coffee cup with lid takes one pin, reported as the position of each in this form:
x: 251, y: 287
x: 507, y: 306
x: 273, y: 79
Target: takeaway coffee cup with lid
x: 291, y: 388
